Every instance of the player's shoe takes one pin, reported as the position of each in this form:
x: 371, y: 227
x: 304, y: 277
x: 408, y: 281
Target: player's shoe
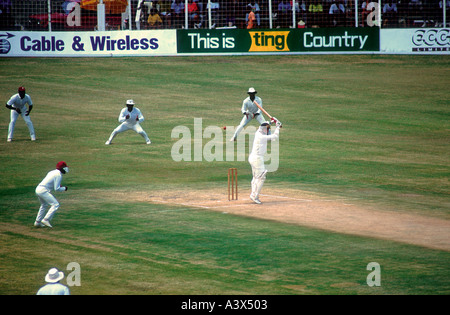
x: 255, y: 200
x: 33, y: 138
x: 233, y: 138
x: 38, y: 224
x: 9, y: 140
x: 46, y: 223
x: 149, y: 142
x: 108, y: 142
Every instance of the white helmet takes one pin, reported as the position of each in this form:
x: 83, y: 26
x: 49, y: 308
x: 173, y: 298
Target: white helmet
x: 130, y: 102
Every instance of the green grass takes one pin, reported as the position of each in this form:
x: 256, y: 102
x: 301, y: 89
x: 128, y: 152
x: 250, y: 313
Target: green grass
x: 371, y: 128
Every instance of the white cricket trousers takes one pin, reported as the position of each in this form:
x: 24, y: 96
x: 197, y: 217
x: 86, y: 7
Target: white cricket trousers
x: 245, y: 120
x: 12, y: 123
x: 125, y: 126
x: 47, y: 200
x: 259, y: 174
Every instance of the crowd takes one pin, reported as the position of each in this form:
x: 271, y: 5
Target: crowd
x: 170, y: 14
x: 302, y: 13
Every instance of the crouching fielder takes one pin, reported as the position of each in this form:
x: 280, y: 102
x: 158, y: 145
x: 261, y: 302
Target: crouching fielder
x: 256, y: 158
x: 250, y: 111
x: 51, y: 182
x: 129, y: 117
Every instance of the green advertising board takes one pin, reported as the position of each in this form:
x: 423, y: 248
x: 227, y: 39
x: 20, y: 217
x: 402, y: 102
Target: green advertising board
x: 220, y: 41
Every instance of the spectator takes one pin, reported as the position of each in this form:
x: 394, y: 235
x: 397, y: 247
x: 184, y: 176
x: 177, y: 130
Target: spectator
x: 233, y: 10
x: 364, y: 12
x: 300, y: 10
x: 142, y: 17
x: 6, y: 18
x: 284, y: 13
x: 68, y: 6
x: 194, y: 14
x: 415, y: 7
x: 447, y: 4
x: 199, y: 5
x: 215, y: 7
x: 389, y: 13
x: 164, y: 12
x: 315, y: 11
x: 177, y: 13
x: 337, y: 13
x: 256, y: 10
x: 251, y: 19
x: 53, y: 287
x: 154, y: 19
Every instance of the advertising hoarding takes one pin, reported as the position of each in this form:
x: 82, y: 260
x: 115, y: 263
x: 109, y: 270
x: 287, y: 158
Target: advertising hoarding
x: 87, y: 44
x: 415, y: 41
x: 332, y: 40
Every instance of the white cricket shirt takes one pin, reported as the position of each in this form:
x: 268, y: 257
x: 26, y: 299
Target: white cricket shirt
x: 53, y: 181
x: 18, y: 102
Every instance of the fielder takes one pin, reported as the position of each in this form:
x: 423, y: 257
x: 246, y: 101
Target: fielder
x: 17, y: 106
x: 256, y: 157
x: 250, y: 111
x: 51, y: 182
x: 129, y: 117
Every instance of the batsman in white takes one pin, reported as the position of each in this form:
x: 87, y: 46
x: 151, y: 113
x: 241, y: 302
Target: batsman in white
x: 250, y: 111
x: 129, y: 117
x: 256, y: 157
x: 17, y: 105
x: 51, y: 182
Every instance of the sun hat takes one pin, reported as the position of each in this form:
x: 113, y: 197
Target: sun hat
x: 130, y: 102
x: 251, y: 90
x: 53, y: 276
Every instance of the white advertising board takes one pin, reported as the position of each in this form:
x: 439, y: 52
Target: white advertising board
x: 415, y: 41
x: 84, y: 44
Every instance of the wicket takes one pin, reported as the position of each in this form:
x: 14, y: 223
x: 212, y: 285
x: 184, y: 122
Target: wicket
x: 232, y: 184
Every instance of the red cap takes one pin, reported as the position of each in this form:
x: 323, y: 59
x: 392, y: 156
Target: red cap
x: 61, y: 165
x: 21, y: 89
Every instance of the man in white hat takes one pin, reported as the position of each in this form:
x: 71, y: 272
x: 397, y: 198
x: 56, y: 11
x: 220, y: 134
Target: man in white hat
x: 250, y: 111
x: 53, y: 287
x: 256, y: 157
x: 129, y: 117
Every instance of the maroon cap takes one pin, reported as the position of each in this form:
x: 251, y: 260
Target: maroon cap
x: 61, y: 165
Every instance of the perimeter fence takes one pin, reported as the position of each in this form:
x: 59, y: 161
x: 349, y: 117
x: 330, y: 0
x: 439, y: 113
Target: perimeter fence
x: 88, y: 15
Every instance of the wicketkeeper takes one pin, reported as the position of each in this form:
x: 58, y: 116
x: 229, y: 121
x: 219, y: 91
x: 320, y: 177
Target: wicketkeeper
x: 250, y: 111
x: 256, y: 158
